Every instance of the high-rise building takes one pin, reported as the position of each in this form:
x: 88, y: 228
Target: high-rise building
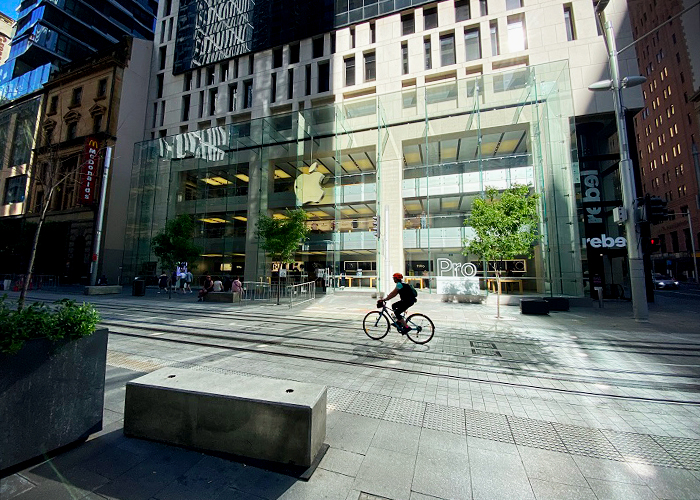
x: 51, y: 33
x: 7, y: 28
x: 667, y: 132
x: 392, y: 113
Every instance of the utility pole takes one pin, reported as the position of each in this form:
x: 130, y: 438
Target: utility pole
x: 100, y: 217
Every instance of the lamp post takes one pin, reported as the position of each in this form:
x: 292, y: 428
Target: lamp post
x: 692, y: 244
x: 629, y: 194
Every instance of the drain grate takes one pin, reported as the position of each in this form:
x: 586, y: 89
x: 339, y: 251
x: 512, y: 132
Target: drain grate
x: 586, y: 442
x: 686, y: 451
x: 640, y: 448
x: 444, y: 418
x: 482, y: 345
x: 485, y: 352
x: 486, y: 425
x: 535, y: 433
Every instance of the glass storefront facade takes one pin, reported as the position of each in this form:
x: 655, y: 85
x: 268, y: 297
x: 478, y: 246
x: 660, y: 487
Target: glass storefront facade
x: 416, y: 159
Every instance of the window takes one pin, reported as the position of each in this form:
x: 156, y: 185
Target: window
x: 324, y: 76
x: 248, y: 94
x: 187, y: 82
x: 290, y: 83
x: 472, y: 44
x: 77, y: 96
x: 495, y: 46
x: 251, y: 64
x: 211, y: 77
x: 232, y: 97
x: 370, y: 67
x: 97, y: 124
x: 102, y: 87
x: 317, y: 46
x: 277, y: 57
x: 159, y: 86
x: 430, y: 18
x: 167, y: 7
x: 162, y: 32
x: 372, y: 33
x: 352, y: 38
x: 516, y: 34
x: 273, y: 87
x: 427, y: 50
x: 332, y: 37
x: 484, y: 7
x: 404, y: 58
x: 307, y: 89
x: 72, y: 131
x: 513, y: 4
x: 185, y: 108
x: 569, y: 22
x: 162, y: 54
x: 200, y: 111
x: 447, y: 49
x: 53, y: 106
x: 408, y: 24
x: 293, y: 53
x: 213, y: 94
x: 462, y: 10
x: 349, y: 71
x: 170, y: 29
x: 223, y: 72
x: 14, y: 189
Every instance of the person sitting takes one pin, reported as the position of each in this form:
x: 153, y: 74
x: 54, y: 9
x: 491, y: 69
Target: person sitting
x: 206, y: 288
x: 218, y: 286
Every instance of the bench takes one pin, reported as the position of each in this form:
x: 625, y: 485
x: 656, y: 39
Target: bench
x: 534, y: 306
x: 103, y: 289
x: 259, y: 418
x: 219, y: 297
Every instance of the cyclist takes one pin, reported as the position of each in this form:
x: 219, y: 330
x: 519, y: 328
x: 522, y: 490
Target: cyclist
x: 408, y: 298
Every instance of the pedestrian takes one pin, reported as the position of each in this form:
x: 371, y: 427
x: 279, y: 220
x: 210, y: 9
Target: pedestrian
x: 206, y: 288
x: 173, y: 281
x: 163, y: 282
x: 237, y: 289
x: 218, y: 285
x: 188, y: 281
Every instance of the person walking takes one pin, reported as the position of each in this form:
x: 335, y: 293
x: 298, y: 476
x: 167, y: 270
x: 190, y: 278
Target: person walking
x: 188, y: 282
x: 163, y: 283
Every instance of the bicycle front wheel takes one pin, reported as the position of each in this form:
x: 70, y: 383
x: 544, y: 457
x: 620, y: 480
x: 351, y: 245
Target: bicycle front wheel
x: 376, y: 325
x: 422, y: 328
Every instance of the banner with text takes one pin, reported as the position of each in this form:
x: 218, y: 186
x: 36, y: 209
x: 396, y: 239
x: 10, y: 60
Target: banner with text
x: 88, y: 171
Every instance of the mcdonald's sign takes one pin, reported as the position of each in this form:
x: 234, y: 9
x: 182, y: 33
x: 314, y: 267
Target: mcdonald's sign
x: 88, y: 172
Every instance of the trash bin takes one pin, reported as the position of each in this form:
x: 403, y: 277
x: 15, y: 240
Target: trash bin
x: 139, y: 288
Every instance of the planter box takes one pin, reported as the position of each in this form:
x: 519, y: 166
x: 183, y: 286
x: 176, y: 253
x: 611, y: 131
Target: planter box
x: 51, y: 394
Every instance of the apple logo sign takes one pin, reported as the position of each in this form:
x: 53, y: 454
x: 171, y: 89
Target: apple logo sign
x: 307, y: 187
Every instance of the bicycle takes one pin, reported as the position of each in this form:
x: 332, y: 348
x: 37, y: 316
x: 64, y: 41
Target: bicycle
x: 376, y: 325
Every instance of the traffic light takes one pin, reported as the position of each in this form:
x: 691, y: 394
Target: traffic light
x: 375, y: 225
x: 656, y: 210
x: 651, y: 244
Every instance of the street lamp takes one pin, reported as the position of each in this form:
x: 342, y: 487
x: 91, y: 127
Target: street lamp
x: 629, y: 195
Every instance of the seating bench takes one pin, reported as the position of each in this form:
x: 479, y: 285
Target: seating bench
x: 103, y: 289
x: 219, y: 297
x: 260, y: 418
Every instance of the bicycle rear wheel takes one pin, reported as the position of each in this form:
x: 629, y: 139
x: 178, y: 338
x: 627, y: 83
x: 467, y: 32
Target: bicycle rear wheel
x: 422, y: 328
x: 376, y: 325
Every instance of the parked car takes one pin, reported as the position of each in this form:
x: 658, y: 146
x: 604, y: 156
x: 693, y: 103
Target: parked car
x: 665, y: 282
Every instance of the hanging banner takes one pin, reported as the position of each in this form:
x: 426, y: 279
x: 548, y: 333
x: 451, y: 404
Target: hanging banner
x: 88, y: 172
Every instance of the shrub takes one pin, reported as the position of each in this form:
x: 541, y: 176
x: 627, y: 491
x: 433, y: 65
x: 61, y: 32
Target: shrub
x: 64, y: 320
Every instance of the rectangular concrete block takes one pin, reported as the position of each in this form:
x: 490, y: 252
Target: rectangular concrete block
x: 103, y: 290
x: 267, y: 419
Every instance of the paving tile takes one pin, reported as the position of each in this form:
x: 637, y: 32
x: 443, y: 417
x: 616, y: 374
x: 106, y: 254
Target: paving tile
x: 352, y: 433
x: 444, y: 441
x: 420, y: 496
x: 551, y: 466
x: 13, y: 486
x: 342, y: 462
x: 397, y: 437
x: 323, y: 484
x: 442, y: 474
x: 550, y: 490
x: 261, y: 483
x: 113, y: 462
x: 611, y: 490
x: 607, y: 470
x: 498, y: 476
x: 488, y: 444
x: 672, y: 484
x: 386, y: 473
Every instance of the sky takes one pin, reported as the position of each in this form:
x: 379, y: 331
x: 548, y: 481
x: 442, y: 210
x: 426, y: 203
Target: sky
x: 8, y: 7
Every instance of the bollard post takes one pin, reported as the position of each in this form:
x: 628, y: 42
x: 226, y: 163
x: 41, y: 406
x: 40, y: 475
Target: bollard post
x: 599, y: 291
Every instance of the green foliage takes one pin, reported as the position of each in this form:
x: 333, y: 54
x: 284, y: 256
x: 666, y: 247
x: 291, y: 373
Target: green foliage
x: 66, y: 320
x: 174, y: 243
x: 281, y: 237
x: 505, y: 227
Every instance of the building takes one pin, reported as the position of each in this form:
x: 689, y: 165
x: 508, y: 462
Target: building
x: 83, y: 109
x: 667, y: 132
x: 7, y: 28
x: 50, y: 34
x: 388, y: 110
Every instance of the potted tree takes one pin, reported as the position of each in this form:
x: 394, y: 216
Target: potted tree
x: 52, y: 379
x: 174, y: 244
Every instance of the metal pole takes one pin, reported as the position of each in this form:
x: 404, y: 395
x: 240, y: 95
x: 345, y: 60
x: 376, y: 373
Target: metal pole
x: 692, y: 245
x: 100, y: 216
x: 629, y: 195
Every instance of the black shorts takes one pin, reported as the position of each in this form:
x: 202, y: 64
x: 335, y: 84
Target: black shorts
x: 401, y: 306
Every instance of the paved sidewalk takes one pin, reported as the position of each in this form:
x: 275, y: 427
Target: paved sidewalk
x: 587, y: 404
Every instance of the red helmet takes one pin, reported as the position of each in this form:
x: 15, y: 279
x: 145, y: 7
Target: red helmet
x: 397, y: 276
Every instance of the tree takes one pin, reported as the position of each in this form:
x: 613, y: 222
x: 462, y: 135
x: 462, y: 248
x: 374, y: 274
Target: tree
x: 174, y: 244
x: 504, y: 227
x: 281, y: 237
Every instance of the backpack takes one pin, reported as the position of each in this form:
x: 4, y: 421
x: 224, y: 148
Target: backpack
x: 410, y: 293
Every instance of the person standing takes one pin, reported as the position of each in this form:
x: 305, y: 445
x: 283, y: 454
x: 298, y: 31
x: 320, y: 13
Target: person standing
x: 188, y: 281
x: 237, y: 289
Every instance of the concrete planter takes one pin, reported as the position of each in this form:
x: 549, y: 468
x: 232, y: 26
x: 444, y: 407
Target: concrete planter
x: 51, y: 394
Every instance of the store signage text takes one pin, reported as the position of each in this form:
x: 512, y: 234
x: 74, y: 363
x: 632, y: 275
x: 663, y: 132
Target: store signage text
x: 591, y: 194
x: 606, y: 241
x: 88, y: 171
x: 446, y: 267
